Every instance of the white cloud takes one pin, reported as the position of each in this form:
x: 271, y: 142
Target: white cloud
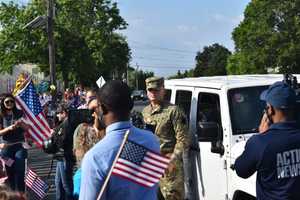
x: 219, y: 17
x: 186, y: 28
x: 236, y: 20
x: 227, y: 19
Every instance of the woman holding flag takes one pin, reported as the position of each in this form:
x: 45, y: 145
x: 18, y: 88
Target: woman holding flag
x: 12, y: 130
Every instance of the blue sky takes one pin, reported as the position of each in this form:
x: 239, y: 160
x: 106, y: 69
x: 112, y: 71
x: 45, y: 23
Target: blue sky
x: 164, y: 35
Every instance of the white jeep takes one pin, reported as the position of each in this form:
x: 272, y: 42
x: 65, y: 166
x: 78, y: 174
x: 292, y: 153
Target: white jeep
x: 223, y: 112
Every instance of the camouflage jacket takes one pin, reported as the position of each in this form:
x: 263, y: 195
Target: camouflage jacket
x: 169, y: 123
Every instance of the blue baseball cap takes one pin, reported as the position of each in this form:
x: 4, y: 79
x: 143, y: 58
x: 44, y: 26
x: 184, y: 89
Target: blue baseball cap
x: 279, y: 95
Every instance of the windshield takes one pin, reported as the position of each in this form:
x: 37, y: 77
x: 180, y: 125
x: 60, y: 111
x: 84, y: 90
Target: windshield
x: 137, y: 92
x: 246, y: 109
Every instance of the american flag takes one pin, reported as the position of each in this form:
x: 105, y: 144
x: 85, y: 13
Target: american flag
x: 140, y: 165
x: 28, y: 100
x: 37, y: 185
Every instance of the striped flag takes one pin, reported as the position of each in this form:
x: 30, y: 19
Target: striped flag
x: 140, y: 165
x: 28, y: 100
x: 37, y: 185
x: 3, y: 174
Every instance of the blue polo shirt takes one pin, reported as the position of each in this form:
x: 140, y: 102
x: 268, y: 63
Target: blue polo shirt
x: 98, y: 161
x: 275, y: 156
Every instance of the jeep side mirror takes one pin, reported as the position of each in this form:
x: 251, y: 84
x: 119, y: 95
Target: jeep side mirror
x: 207, y: 131
x: 217, y: 147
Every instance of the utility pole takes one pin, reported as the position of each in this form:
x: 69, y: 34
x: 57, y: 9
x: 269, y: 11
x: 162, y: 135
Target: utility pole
x: 136, y: 77
x: 127, y: 75
x: 50, y: 9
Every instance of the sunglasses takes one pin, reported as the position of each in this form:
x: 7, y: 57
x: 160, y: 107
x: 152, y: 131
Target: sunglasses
x: 9, y: 101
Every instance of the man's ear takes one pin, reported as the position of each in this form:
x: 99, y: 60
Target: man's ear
x: 272, y: 110
x: 104, y: 109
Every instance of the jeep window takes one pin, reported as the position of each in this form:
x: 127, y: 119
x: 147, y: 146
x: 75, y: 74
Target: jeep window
x: 183, y: 100
x: 168, y: 95
x: 208, y: 109
x: 246, y: 109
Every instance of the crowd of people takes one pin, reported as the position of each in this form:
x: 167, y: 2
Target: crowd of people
x: 111, y: 107
x: 87, y: 154
x: 80, y: 175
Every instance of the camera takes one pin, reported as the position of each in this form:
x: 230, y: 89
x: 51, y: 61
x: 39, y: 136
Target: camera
x: 64, y: 132
x: 293, y: 83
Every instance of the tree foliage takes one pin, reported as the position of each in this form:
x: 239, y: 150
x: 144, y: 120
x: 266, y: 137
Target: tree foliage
x: 212, y: 61
x: 136, y: 78
x: 268, y: 37
x: 86, y: 41
x: 185, y: 74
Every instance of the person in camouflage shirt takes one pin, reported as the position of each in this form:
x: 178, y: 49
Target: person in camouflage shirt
x: 169, y: 123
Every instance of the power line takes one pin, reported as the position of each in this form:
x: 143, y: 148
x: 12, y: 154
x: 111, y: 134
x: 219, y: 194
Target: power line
x: 163, y: 48
x: 159, y: 59
x: 179, y: 68
x: 169, y: 64
x: 166, y: 67
x: 150, y: 52
x: 141, y: 48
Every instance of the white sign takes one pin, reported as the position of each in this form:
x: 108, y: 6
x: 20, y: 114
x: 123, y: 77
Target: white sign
x: 100, y: 82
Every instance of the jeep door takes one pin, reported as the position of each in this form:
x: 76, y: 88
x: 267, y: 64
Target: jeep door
x: 211, y: 162
x: 182, y: 96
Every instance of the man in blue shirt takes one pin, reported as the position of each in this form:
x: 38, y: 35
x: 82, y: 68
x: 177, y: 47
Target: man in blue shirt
x: 275, y: 153
x: 114, y: 108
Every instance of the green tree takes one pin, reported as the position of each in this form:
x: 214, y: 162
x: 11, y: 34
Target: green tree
x: 86, y: 41
x: 268, y: 37
x: 211, y: 61
x: 186, y: 73
x: 136, y: 79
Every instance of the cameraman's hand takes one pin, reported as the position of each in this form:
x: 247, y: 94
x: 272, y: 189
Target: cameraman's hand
x: 264, y: 124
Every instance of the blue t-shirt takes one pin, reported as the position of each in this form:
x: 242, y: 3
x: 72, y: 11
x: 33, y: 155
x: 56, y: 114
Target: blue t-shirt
x: 275, y: 156
x: 76, y: 182
x: 98, y: 161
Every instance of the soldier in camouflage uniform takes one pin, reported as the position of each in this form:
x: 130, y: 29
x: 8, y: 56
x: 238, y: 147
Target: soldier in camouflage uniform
x: 169, y: 123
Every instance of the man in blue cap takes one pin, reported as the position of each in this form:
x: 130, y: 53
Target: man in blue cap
x: 275, y: 153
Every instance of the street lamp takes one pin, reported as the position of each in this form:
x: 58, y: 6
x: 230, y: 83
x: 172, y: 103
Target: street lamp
x: 42, y: 21
x: 36, y: 23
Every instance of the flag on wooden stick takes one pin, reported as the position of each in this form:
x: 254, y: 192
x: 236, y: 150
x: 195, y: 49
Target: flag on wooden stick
x: 28, y: 100
x: 140, y: 165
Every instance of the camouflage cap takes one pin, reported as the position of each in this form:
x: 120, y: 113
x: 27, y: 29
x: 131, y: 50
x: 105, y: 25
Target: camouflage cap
x: 154, y: 82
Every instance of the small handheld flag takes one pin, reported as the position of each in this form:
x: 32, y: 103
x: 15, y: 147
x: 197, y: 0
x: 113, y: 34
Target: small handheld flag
x: 140, y: 165
x: 37, y: 185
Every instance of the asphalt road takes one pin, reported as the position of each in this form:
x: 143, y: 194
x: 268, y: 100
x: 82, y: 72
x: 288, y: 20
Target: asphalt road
x: 40, y: 162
